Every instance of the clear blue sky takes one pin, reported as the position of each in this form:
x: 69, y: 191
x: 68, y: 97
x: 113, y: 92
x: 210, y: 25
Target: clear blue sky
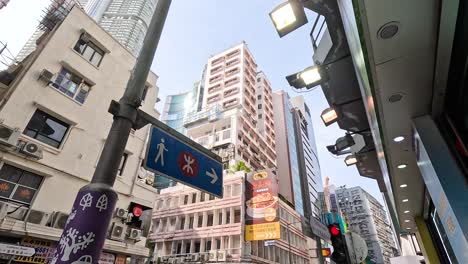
x: 194, y: 30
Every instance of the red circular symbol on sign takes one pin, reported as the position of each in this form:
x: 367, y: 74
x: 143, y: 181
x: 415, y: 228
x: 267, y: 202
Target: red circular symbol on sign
x: 137, y: 210
x: 188, y: 164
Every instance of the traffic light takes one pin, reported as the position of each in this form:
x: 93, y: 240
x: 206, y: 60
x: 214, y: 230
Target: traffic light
x: 338, y: 243
x: 326, y: 252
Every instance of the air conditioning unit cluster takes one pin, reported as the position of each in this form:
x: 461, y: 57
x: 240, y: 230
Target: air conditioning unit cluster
x: 32, y: 216
x: 32, y: 149
x: 134, y: 234
x: 117, y: 231
x: 9, y: 136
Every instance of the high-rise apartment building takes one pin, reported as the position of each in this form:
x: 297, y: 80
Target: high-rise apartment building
x: 228, y: 123
x: 126, y: 20
x: 289, y: 172
x: 55, y: 122
x: 308, y: 158
x: 191, y: 223
x: 367, y: 217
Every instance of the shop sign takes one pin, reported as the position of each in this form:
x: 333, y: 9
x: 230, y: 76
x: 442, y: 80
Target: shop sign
x: 120, y: 259
x: 106, y: 258
x: 261, y: 219
x: 43, y: 250
x: 10, y: 249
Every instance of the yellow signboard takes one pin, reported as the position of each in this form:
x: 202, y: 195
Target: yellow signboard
x: 267, y: 231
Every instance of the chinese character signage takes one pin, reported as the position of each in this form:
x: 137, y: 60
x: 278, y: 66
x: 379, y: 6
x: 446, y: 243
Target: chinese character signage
x: 261, y: 218
x: 43, y: 250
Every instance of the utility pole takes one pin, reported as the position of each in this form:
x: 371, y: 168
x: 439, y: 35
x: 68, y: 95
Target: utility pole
x: 85, y: 231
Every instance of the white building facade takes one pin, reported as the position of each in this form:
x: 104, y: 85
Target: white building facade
x: 367, y: 217
x: 55, y: 121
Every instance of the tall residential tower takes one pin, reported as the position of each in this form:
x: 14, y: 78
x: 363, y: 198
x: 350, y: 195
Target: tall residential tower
x: 126, y: 20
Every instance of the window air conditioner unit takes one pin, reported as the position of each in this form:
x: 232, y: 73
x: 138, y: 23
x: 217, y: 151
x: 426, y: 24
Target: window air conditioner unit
x: 32, y: 149
x: 117, y: 232
x: 17, y: 212
x: 9, y: 136
x: 59, y: 220
x: 204, y: 257
x: 3, y: 210
x: 174, y: 261
x: 121, y: 213
x: 134, y: 234
x: 187, y: 258
x: 165, y: 258
x: 37, y: 217
x: 46, y: 76
x: 195, y: 257
x: 221, y: 255
x: 212, y: 256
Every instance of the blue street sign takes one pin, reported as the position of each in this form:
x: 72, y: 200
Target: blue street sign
x: 175, y: 156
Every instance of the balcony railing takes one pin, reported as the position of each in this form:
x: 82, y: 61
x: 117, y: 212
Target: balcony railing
x: 211, y: 113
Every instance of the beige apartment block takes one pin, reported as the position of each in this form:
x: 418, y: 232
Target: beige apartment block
x: 54, y: 122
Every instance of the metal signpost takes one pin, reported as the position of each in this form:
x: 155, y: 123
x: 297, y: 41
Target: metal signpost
x: 175, y: 156
x: 86, y: 228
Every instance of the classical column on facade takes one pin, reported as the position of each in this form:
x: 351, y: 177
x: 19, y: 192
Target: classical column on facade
x: 231, y: 215
x: 224, y: 216
x: 205, y: 219
x: 192, y: 246
x: 202, y: 245
x: 187, y: 222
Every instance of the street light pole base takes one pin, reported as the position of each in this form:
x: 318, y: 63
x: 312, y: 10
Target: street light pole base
x: 84, y: 235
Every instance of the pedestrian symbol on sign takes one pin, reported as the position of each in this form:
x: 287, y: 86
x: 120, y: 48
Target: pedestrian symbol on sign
x: 161, y: 149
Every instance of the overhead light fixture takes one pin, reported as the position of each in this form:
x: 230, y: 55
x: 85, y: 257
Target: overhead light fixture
x: 408, y: 228
x: 288, y: 17
x: 403, y: 185
x: 341, y: 144
x: 329, y: 116
x: 399, y: 139
x: 407, y: 221
x: 405, y: 200
x: 406, y: 212
x: 350, y: 160
x: 402, y: 166
x: 308, y: 78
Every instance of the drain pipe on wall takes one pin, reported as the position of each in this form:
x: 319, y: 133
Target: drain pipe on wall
x: 140, y: 159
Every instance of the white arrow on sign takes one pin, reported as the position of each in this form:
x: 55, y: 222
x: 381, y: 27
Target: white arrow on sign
x: 212, y: 175
x: 17, y: 250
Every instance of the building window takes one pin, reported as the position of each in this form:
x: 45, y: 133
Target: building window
x: 46, y: 129
x: 260, y: 106
x: 143, y: 95
x: 123, y: 162
x: 186, y: 199
x: 259, y: 97
x: 71, y: 85
x: 259, y: 116
x: 89, y: 50
x: 18, y: 185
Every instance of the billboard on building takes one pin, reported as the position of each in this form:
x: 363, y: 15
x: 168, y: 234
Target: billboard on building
x: 261, y: 206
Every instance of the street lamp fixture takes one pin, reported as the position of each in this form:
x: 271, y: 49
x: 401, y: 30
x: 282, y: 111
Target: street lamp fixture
x: 341, y: 144
x: 350, y: 160
x: 329, y: 116
x: 288, y: 16
x: 308, y: 78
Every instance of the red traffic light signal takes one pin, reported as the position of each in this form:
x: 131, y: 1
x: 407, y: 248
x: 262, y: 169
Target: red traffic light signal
x: 326, y: 252
x: 334, y: 230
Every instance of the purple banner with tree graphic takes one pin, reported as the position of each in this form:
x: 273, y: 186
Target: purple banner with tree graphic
x: 86, y: 228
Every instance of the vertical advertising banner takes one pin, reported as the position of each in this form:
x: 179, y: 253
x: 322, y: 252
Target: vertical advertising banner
x: 261, y: 206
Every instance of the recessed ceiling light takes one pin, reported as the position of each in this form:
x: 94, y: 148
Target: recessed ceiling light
x: 401, y: 166
x: 405, y: 200
x: 408, y: 228
x: 389, y: 30
x: 399, y: 139
x: 403, y: 185
x: 407, y: 221
x: 406, y: 212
